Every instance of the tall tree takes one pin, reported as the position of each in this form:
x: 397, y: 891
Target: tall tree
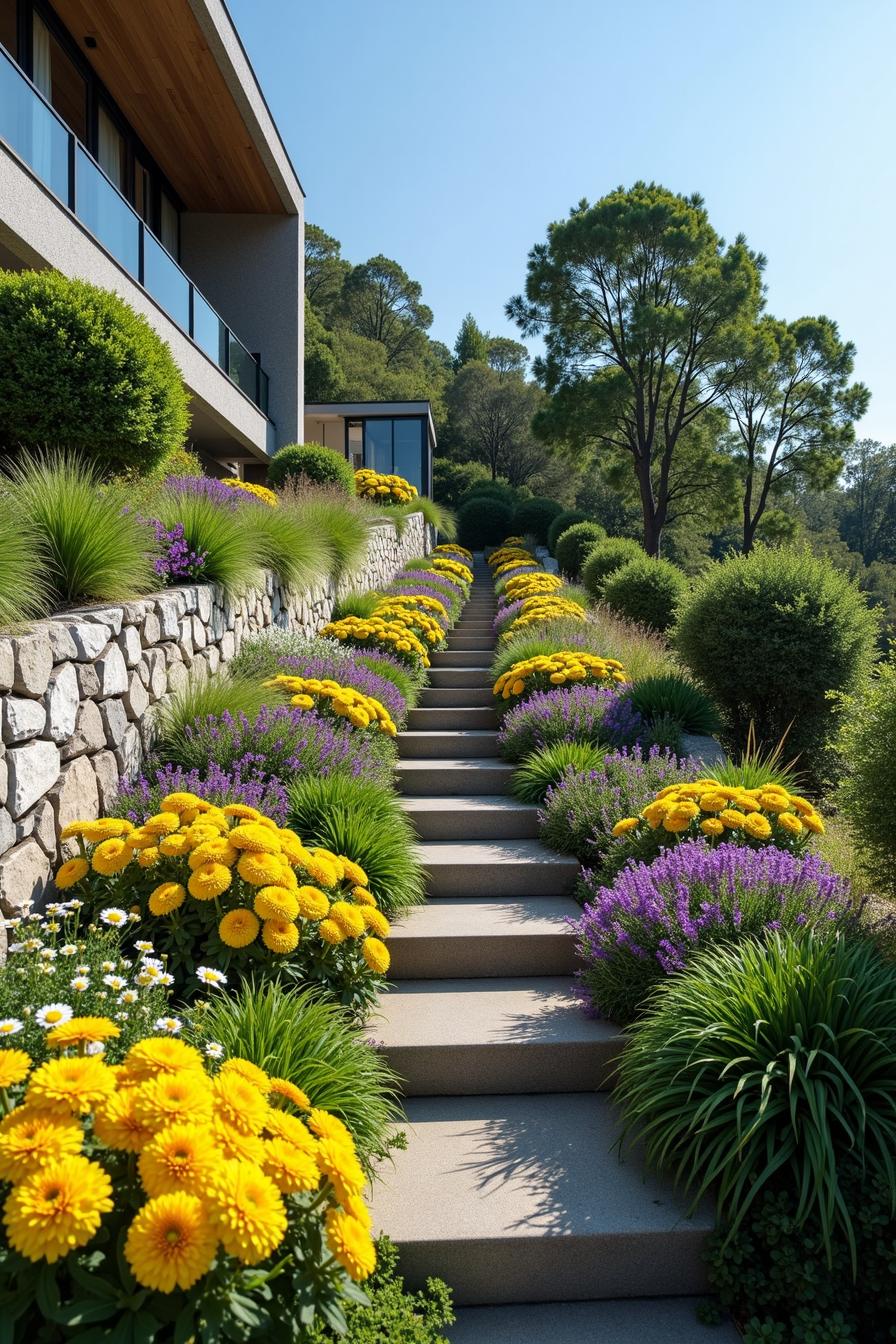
x: 646, y: 315
x: 492, y: 416
x: 794, y: 409
x: 507, y: 356
x: 325, y: 270
x: 382, y: 303
x: 471, y: 343
x: 868, y: 506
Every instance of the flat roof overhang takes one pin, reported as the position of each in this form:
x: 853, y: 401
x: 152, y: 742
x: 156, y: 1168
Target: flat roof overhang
x: 370, y: 410
x: 180, y: 74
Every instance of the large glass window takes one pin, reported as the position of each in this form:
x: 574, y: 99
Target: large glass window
x: 169, y: 231
x: 58, y: 79
x: 34, y: 132
x: 407, y: 450
x: 378, y: 445
x: 111, y: 151
x: 9, y: 36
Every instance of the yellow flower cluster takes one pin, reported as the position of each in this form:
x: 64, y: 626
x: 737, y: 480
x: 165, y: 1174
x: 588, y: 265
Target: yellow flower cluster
x: 510, y: 565
x: 531, y: 585
x: 263, y: 882
x: 511, y: 553
x: 426, y: 626
x: 453, y: 568
x: 218, y: 1160
x: 430, y: 604
x: 259, y: 492
x: 544, y: 608
x: 385, y: 489
x: 556, y: 669
x: 708, y: 808
x: 345, y: 701
x: 452, y: 548
x: 368, y: 630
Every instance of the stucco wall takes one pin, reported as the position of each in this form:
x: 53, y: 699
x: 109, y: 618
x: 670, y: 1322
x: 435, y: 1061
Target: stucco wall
x: 75, y: 692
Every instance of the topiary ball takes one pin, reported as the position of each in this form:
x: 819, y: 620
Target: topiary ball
x: 604, y: 560
x: 574, y: 546
x: 646, y: 590
x: 321, y: 465
x: 483, y: 521
x: 534, y: 516
x: 563, y: 521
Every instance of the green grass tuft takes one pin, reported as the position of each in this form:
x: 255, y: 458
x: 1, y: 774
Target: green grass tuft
x: 673, y: 695
x: 23, y: 587
x: 196, y: 699
x: 299, y: 554
x: 233, y: 554
x: 547, y: 766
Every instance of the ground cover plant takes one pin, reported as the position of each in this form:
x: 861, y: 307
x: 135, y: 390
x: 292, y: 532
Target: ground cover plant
x: 576, y: 713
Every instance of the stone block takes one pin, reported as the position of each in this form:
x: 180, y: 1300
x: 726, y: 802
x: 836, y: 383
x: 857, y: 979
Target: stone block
x: 111, y: 617
x: 24, y: 874
x: 129, y: 643
x: 32, y: 663
x: 4, y: 777
x: 169, y: 609
x: 33, y: 770
x: 7, y: 831
x: 88, y: 681
x: 89, y: 734
x: 75, y: 797
x: 62, y: 701
x: 200, y: 634
x: 172, y: 653
x: 90, y: 640
x: 185, y: 635
x: 204, y: 603
x: 129, y: 753
x: 135, y: 698
x: 213, y: 658
x: 150, y: 630
x: 24, y: 827
x: 190, y: 594
x: 133, y: 612
x: 62, y: 645
x: 106, y: 769
x: 227, y: 646
x: 177, y: 676
x: 22, y: 719
x: 111, y: 670
x: 157, y: 677
x: 45, y: 829
x: 115, y: 721
x: 7, y: 665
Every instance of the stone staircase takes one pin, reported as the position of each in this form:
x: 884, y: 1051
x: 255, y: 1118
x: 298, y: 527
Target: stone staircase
x: 510, y: 1188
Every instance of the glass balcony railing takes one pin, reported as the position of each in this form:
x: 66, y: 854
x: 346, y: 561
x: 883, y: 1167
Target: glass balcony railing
x: 54, y: 154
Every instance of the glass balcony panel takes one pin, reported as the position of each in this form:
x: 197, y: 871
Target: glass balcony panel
x: 243, y: 369
x: 208, y: 329
x: 107, y: 214
x: 36, y: 135
x: 165, y: 281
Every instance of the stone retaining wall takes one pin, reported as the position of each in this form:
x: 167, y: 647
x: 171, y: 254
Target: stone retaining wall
x: 75, y: 690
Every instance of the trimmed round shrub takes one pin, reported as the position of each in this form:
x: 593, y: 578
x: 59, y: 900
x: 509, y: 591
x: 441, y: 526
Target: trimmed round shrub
x: 321, y: 465
x: 563, y: 520
x: 770, y: 635
x: 605, y: 559
x: 495, y: 490
x: 533, y: 517
x: 869, y: 782
x: 483, y: 521
x: 646, y: 591
x: 80, y: 370
x: 575, y: 544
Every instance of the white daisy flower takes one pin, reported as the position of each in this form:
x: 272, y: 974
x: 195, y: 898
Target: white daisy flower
x: 171, y: 1025
x: 165, y: 979
x: 152, y: 963
x: 95, y: 1048
x: 114, y: 916
x: 214, y: 1050
x: 108, y: 967
x: 52, y: 926
x: 68, y: 950
x: 142, y: 945
x: 114, y: 981
x: 80, y: 983
x: 82, y: 970
x: 75, y: 905
x: 128, y: 996
x: 16, y: 947
x: 9, y: 1026
x: 55, y: 908
x: 126, y: 963
x: 53, y: 1015
x: 133, y: 917
x: 32, y: 944
x: 48, y: 953
x: 209, y: 976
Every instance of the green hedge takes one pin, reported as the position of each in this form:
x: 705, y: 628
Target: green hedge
x: 604, y: 560
x: 321, y: 465
x: 646, y: 591
x: 534, y: 516
x: 483, y: 521
x: 561, y: 523
x: 574, y: 546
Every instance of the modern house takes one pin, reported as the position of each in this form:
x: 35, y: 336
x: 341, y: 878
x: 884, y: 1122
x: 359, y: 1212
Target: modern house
x: 137, y: 152
x: 389, y: 436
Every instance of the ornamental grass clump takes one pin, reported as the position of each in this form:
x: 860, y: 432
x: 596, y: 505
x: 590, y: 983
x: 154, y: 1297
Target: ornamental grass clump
x: 547, y: 766
x: 23, y: 586
x: 212, y: 524
x: 556, y: 669
x: 583, y: 713
x: 151, y: 1200
x: 653, y: 918
x: 227, y: 888
x: 768, y: 1064
x: 869, y: 775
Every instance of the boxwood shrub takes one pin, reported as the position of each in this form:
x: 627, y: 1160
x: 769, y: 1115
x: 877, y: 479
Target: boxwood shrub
x: 563, y: 520
x: 321, y: 465
x: 605, y: 559
x: 533, y: 517
x: 575, y: 544
x: 647, y: 591
x: 484, y: 520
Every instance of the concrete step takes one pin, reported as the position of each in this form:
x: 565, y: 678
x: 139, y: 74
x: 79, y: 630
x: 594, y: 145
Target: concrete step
x: 448, y: 778
x: 655, y: 1320
x: 446, y: 938
x: 495, y: 868
x: 475, y: 818
x: 459, y: 697
x: 460, y: 676
x: 462, y: 658
x: 522, y: 1199
x: 432, y: 746
x: 455, y: 718
x: 454, y: 937
x: 459, y: 640
x: 493, y: 1035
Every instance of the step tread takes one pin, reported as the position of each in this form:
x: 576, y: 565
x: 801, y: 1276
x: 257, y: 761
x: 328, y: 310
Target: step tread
x: 468, y: 802
x: 519, y: 1011
x: 453, y: 917
x: 654, y: 1320
x: 482, y: 852
x: 455, y: 763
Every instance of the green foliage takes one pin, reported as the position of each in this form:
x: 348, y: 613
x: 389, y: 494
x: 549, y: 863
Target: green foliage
x: 547, y: 637
x: 568, y: 518
x: 471, y: 343
x: 574, y: 545
x: 452, y: 481
x: 233, y: 554
x: 321, y: 465
x: 199, y: 696
x: 395, y: 1315
x: 756, y: 766
x: 286, y: 544
x: 260, y: 653
x: 547, y: 766
x: 23, y: 590
x: 605, y: 559
x: 90, y: 547
x: 296, y: 1034
x: 436, y: 515
x: 534, y: 517
x: 491, y: 420
x: 646, y: 591
x: 770, y: 636
x: 495, y: 490
x: 675, y: 696
x: 342, y: 524
x: 409, y: 681
x: 484, y: 520
x: 355, y: 604
x: 868, y: 784
x: 361, y: 819
x: 81, y: 370
x: 769, y: 1060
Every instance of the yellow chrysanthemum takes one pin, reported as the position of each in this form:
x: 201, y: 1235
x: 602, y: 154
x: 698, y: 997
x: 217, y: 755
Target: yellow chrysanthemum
x: 320, y: 869
x: 328, y: 1126
x: 174, y: 1097
x: 732, y: 818
x: 348, y: 917
x: 14, y: 1066
x: 788, y: 821
x: 239, y: 928
x: 163, y: 823
x: 72, y: 871
x: 712, y: 826
x: 148, y: 857
x: 311, y: 903
x: 80, y: 1029
x: 358, y: 1209
x: 361, y: 896
x: 238, y: 1102
x: 162, y: 1054
x: 340, y: 1165
x: 260, y: 869
x: 376, y: 921
x: 255, y: 838
x: 219, y: 850
x: 249, y: 1213
x: 354, y: 873
x: 280, y: 936
x: 813, y: 822
x: 330, y: 931
x: 376, y: 954
x: 236, y: 1145
x: 290, y: 1168
x: 110, y: 857
x: 166, y: 897
x: 282, y: 1125
x: 625, y: 825
x: 58, y: 1208
x: 209, y: 880
x: 180, y: 802
x: 174, y: 846
x: 276, y: 903
x: 29, y: 1140
x: 244, y: 1068
x: 351, y: 1244
x: 757, y: 826
x: 181, y: 1157
x: 117, y: 1124
x: 284, y: 1088
x: 70, y: 1086
x: 171, y: 1243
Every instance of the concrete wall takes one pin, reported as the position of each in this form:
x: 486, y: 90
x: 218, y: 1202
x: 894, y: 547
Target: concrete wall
x: 75, y: 692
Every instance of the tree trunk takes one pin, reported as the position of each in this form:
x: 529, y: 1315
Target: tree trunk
x: 653, y: 520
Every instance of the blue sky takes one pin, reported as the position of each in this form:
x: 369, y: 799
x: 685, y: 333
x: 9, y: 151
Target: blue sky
x: 448, y: 135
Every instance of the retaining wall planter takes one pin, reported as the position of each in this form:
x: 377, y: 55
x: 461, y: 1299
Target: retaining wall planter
x: 75, y: 691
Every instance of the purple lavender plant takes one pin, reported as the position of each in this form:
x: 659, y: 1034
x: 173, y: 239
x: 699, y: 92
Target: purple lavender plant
x: 507, y: 612
x: 653, y: 917
x: 143, y: 797
x: 207, y: 487
x: 580, y: 713
x: 176, y: 562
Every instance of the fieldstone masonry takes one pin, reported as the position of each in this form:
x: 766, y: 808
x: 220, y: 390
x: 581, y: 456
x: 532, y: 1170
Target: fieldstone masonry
x: 75, y: 692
